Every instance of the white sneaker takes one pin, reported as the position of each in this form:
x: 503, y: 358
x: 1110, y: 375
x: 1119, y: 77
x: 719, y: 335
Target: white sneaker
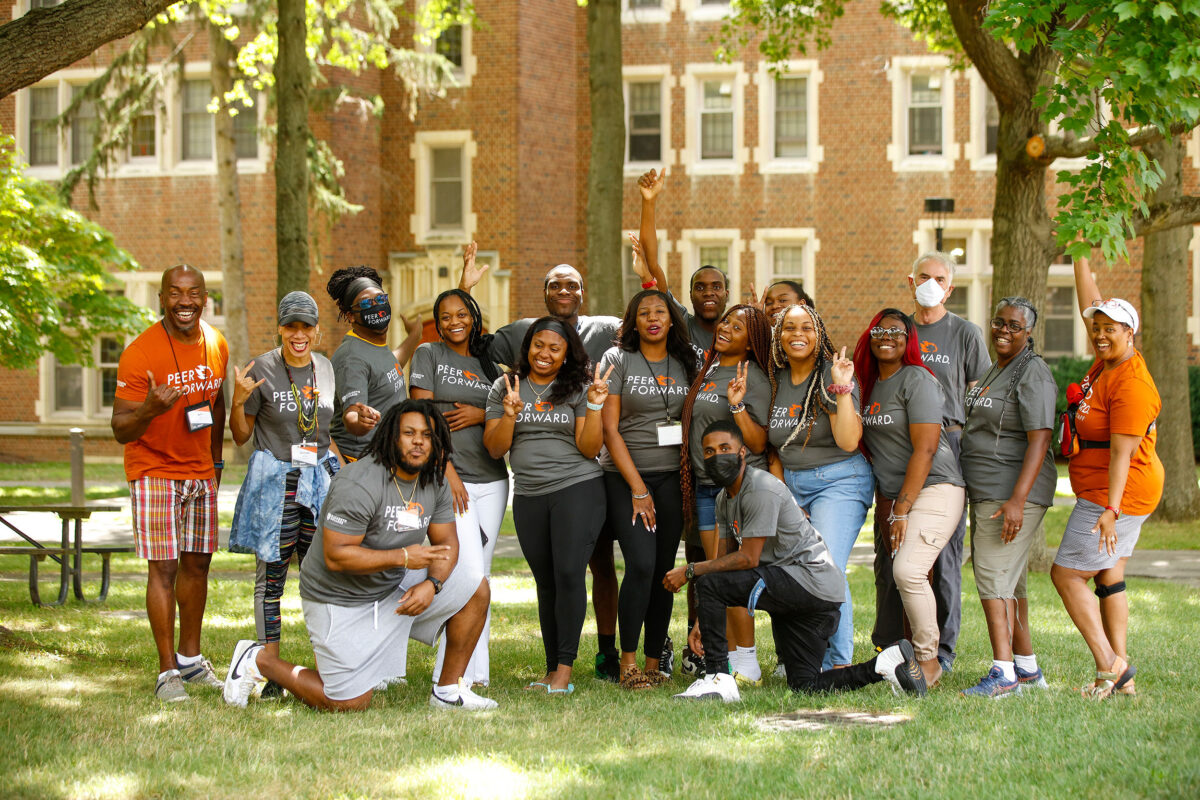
x: 460, y: 696
x: 383, y: 685
x: 243, y: 673
x: 201, y: 672
x: 713, y: 687
x: 169, y: 687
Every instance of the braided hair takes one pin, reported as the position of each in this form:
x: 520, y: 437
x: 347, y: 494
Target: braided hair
x: 341, y: 280
x: 478, y: 342
x: 758, y: 350
x: 679, y: 347
x: 817, y: 399
x: 573, y: 375
x: 387, y: 433
x: 1022, y: 359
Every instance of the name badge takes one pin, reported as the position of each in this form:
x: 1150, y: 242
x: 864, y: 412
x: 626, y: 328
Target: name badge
x: 407, y: 520
x: 198, y: 416
x: 304, y: 455
x: 670, y: 433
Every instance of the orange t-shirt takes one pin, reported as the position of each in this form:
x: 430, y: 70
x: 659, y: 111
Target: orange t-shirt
x: 1122, y: 400
x: 167, y: 449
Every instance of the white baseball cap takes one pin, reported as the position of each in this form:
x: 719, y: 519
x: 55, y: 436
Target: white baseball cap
x: 1117, y: 310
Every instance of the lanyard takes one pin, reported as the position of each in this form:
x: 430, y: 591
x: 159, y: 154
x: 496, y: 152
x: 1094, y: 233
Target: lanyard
x: 306, y: 422
x: 662, y: 392
x: 175, y: 358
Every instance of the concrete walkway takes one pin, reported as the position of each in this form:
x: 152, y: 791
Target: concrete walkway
x: 1182, y: 566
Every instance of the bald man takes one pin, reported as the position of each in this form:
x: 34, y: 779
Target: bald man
x: 169, y: 412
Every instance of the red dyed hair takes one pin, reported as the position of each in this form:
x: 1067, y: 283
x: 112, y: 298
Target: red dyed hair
x: 866, y: 367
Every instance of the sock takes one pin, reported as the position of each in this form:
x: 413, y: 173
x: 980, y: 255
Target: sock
x: 608, y: 643
x: 749, y: 653
x: 1026, y: 663
x: 1006, y: 668
x: 446, y: 692
x: 162, y: 676
x: 187, y: 661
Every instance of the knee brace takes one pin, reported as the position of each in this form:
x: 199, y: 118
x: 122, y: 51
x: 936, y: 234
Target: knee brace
x: 1103, y: 591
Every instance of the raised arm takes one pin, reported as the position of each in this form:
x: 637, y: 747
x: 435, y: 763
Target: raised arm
x: 1086, y: 290
x: 404, y: 352
x: 651, y: 185
x: 471, y: 274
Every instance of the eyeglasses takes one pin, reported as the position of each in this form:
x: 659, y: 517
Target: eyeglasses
x: 1012, y: 325
x: 367, y: 303
x: 888, y: 333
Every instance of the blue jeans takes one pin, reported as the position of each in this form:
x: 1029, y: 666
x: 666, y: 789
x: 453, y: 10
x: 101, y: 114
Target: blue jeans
x: 836, y: 498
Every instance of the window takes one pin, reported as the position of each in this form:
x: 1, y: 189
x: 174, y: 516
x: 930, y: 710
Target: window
x: 785, y: 253
x: 714, y: 256
x: 791, y: 117
x: 645, y: 122
x: 714, y: 103
x: 984, y: 127
x: 634, y: 11
x: 788, y: 118
x: 991, y: 124
x: 42, y: 139
x: 450, y: 45
x: 196, y: 129
x: 644, y: 3
x: 43, y: 3
x: 705, y: 10
x: 454, y: 44
x: 245, y: 131
x: 716, y: 119
x: 1058, y: 317
x: 715, y: 247
x: 83, y: 128
x: 922, y: 114
x: 959, y: 301
x: 143, y: 141
x: 442, y: 207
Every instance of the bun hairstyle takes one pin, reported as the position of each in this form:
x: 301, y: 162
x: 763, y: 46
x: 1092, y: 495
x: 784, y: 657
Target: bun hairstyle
x: 344, y: 286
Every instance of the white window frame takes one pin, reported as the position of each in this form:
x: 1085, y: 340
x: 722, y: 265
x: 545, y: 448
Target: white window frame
x: 632, y: 16
x: 690, y: 242
x: 420, y: 222
x: 171, y: 156
x: 978, y: 156
x: 1193, y: 322
x: 899, y: 73
x: 649, y: 73
x: 696, y: 11
x: 764, y: 154
x: 695, y: 76
x: 423, y: 43
x: 763, y: 247
x: 1063, y: 276
x: 141, y: 288
x: 415, y: 279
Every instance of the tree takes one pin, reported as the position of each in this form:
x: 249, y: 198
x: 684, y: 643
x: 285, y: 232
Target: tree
x: 56, y: 292
x: 291, y: 149
x: 45, y: 40
x: 606, y: 179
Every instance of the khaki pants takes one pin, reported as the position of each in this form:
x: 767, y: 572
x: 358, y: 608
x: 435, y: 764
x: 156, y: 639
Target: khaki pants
x: 931, y: 522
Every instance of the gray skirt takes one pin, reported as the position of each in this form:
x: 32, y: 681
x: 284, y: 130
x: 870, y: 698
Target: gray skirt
x: 1080, y: 547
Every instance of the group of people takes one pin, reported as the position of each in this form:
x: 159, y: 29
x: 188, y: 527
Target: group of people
x: 740, y: 430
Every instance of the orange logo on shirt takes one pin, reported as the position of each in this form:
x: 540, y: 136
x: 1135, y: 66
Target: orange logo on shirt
x: 708, y: 387
x: 543, y: 405
x: 309, y: 392
x: 795, y: 409
x: 416, y: 508
x: 470, y: 375
x: 666, y: 380
x: 928, y: 347
x: 874, y: 409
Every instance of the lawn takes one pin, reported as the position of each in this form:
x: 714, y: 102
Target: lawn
x: 79, y: 719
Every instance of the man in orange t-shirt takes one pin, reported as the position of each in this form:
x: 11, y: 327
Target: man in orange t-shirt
x: 169, y: 412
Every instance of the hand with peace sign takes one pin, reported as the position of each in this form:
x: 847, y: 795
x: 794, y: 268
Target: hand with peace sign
x: 244, y: 385
x: 737, y: 384
x: 842, y: 370
x: 512, y: 398
x: 598, y: 390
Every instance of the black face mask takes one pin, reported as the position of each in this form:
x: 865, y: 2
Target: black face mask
x: 723, y: 468
x: 377, y: 318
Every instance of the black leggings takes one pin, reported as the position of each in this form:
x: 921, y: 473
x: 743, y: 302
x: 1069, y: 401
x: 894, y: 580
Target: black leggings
x: 648, y: 556
x: 558, y: 532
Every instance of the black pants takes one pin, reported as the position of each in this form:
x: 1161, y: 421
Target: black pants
x: 889, y: 609
x: 648, y: 556
x: 557, y: 532
x: 800, y: 622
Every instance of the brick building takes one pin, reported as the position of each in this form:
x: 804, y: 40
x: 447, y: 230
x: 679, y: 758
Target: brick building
x: 817, y: 174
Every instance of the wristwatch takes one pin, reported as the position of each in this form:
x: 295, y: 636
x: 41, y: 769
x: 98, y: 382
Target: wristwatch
x: 437, y: 585
x: 689, y: 572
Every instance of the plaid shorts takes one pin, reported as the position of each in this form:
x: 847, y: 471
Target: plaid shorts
x: 172, y: 516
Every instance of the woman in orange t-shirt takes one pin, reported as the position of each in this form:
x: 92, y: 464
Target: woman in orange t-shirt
x: 1118, y: 481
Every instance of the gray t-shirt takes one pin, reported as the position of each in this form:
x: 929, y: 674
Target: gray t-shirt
x: 365, y: 373
x: 712, y: 404
x: 910, y: 397
x: 701, y: 338
x: 597, y: 334
x: 821, y: 449
x: 994, y: 438
x: 954, y: 350
x: 652, y: 392
x: 764, y: 509
x: 276, y: 423
x: 364, y: 501
x: 544, y: 456
x: 455, y: 379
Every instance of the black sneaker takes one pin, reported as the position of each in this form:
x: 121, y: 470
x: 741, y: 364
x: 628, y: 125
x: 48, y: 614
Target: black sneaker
x: 691, y: 664
x: 608, y: 667
x: 271, y: 691
x: 666, y: 662
x: 898, y: 666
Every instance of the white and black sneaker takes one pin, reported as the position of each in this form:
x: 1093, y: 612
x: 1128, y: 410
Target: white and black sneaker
x: 169, y: 687
x: 666, y: 661
x: 461, y: 697
x: 691, y: 664
x: 898, y: 666
x: 200, y: 672
x: 243, y: 673
x: 719, y: 686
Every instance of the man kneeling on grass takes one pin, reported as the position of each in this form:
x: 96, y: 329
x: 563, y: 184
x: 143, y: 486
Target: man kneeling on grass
x: 780, y: 565
x: 373, y: 584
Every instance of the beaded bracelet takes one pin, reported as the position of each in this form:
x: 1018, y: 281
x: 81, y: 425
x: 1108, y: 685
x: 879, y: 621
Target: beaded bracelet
x: 739, y: 408
x: 894, y: 518
x: 841, y: 388
x: 650, y: 284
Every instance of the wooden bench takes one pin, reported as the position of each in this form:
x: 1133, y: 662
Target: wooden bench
x: 69, y: 554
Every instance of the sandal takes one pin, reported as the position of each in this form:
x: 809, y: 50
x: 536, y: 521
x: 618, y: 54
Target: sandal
x: 657, y: 678
x: 634, y: 679
x: 1109, y: 682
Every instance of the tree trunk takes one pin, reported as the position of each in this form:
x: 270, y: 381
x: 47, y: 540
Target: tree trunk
x: 45, y: 40
x: 291, y: 151
x: 606, y: 180
x: 1165, y: 341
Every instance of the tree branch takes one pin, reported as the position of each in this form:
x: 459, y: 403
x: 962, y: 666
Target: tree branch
x: 998, y: 67
x: 46, y: 40
x: 1180, y: 211
x: 1071, y: 146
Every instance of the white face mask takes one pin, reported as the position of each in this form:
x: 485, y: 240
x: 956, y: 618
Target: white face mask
x: 929, y: 294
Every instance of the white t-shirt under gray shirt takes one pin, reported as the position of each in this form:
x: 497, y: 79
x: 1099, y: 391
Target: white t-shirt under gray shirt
x: 365, y: 373
x: 597, y: 334
x: 764, y: 509
x: 364, y: 501
x: 956, y: 353
x: 712, y: 404
x: 910, y: 397
x: 274, y: 408
x: 457, y: 379
x: 821, y: 449
x: 652, y: 393
x: 544, y: 456
x: 993, y: 449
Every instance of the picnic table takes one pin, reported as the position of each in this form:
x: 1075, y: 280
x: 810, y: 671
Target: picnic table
x: 69, y: 554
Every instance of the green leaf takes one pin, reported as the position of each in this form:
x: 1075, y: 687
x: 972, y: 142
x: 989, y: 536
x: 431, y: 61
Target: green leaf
x: 1165, y: 11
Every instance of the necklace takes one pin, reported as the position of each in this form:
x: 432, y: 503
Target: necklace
x: 306, y: 410
x: 407, y: 502
x: 536, y: 394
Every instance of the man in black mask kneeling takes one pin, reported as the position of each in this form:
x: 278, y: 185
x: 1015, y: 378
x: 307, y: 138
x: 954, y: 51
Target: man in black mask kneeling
x: 769, y: 557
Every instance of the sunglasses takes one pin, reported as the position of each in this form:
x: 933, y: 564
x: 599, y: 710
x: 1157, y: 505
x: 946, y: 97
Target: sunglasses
x: 888, y: 333
x: 368, y: 303
x: 1012, y: 325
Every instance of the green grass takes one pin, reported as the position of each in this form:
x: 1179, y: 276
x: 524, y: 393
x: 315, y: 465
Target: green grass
x: 78, y: 718
x: 44, y: 495
x: 100, y: 474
